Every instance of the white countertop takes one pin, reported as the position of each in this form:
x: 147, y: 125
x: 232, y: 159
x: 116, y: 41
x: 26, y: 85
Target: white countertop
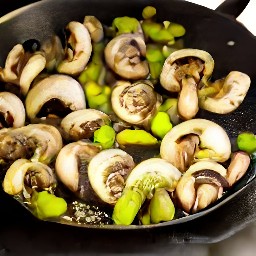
x: 247, y: 17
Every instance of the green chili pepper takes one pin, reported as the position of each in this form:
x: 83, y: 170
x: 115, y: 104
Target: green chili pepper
x: 161, y: 124
x: 135, y: 137
x: 247, y: 142
x: 45, y: 205
x: 105, y: 135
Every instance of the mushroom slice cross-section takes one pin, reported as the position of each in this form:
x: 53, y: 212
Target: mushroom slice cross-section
x: 38, y: 142
x: 24, y: 176
x: 125, y: 55
x: 21, y: 67
x: 94, y: 27
x: 228, y: 93
x: 108, y: 172
x: 201, y: 185
x: 182, y: 72
x: 212, y: 143
x: 81, y: 124
x: 72, y: 167
x: 12, y: 111
x: 78, y: 50
x: 135, y: 103
x: 63, y: 89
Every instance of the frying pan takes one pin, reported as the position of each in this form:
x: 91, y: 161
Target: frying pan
x: 207, y: 30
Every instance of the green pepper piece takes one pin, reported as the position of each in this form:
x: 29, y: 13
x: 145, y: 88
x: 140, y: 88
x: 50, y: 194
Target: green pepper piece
x: 177, y: 30
x: 162, y: 36
x: 135, y: 137
x: 148, y: 12
x: 129, y: 204
x: 105, y: 135
x: 131, y: 201
x: 126, y: 25
x: 161, y: 207
x: 154, y: 53
x: 161, y: 124
x: 247, y: 142
x: 45, y: 205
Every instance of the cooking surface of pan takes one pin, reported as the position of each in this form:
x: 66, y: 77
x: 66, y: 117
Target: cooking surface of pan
x: 232, y: 47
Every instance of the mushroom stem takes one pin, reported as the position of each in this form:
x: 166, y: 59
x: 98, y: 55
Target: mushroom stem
x: 239, y: 164
x: 188, y: 99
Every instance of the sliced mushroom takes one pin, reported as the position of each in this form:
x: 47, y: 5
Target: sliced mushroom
x: 22, y: 67
x: 81, y: 124
x: 135, y: 103
x: 38, y: 142
x: 61, y: 90
x: 141, y: 183
x: 78, y: 50
x: 108, y: 172
x: 240, y: 162
x: 24, y: 176
x: 182, y: 72
x: 228, y: 93
x: 214, y: 143
x: 54, y: 52
x: 201, y: 185
x: 125, y: 56
x: 72, y: 166
x: 12, y: 111
x: 94, y: 27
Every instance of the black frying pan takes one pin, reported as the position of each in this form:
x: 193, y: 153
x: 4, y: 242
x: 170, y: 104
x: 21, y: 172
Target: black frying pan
x: 207, y: 30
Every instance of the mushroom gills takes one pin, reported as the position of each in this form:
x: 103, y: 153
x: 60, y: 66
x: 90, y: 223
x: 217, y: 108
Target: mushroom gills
x: 201, y: 185
x: 135, y: 103
x: 82, y: 124
x: 108, y: 172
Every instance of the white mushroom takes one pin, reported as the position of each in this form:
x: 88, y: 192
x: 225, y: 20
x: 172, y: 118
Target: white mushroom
x: 201, y: 185
x: 228, y: 93
x: 71, y: 167
x: 38, y: 142
x: 78, y: 50
x: 94, y: 27
x: 62, y: 88
x: 12, y: 110
x: 21, y: 67
x: 108, y: 171
x: 81, y: 124
x: 182, y: 72
x: 124, y: 54
x: 213, y: 144
x: 25, y: 176
x: 135, y: 103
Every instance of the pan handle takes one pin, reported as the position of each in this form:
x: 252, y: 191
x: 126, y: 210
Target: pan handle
x: 232, y: 7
